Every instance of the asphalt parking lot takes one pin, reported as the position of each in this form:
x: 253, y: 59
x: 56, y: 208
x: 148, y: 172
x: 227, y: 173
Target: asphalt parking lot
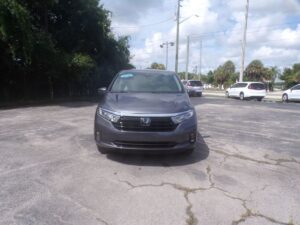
x: 245, y: 170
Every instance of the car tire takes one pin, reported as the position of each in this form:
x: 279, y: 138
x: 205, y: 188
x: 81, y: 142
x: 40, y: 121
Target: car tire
x: 102, y: 150
x: 259, y: 99
x: 200, y: 94
x: 242, y: 96
x: 227, y: 94
x: 285, y: 98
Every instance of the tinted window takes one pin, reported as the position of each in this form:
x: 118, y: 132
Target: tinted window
x: 296, y: 87
x: 257, y: 86
x: 234, y: 86
x: 146, y: 82
x: 241, y: 85
x: 195, y: 83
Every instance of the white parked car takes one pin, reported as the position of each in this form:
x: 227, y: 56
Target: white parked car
x: 243, y: 90
x: 292, y: 94
x: 193, y: 87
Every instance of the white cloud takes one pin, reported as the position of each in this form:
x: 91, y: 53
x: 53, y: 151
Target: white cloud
x: 268, y: 53
x: 273, y: 34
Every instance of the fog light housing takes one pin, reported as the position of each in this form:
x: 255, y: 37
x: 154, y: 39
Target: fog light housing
x: 192, y: 137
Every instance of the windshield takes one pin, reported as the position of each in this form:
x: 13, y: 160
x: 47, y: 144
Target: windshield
x: 147, y: 82
x: 195, y: 83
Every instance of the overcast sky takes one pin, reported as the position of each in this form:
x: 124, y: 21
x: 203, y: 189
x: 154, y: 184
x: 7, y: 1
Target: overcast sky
x: 273, y: 31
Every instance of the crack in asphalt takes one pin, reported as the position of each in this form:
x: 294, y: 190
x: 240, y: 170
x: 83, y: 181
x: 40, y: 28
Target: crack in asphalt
x: 242, y: 157
x: 224, y: 160
x: 191, y: 218
x: 281, y: 160
x: 70, y: 199
x: 277, y: 162
x: 249, y: 213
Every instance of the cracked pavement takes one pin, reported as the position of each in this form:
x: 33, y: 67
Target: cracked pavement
x: 245, y: 170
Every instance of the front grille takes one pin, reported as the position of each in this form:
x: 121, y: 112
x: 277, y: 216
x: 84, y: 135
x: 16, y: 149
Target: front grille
x: 158, y: 124
x: 132, y: 144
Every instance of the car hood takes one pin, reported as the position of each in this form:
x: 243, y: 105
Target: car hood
x: 150, y: 103
x: 287, y: 91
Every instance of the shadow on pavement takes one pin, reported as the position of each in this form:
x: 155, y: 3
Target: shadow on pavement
x: 200, y: 153
x: 79, y: 104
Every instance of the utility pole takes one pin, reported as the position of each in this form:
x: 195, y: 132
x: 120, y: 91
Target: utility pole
x: 200, y: 66
x: 187, y: 58
x: 167, y: 55
x: 196, y: 70
x: 177, y: 35
x: 244, y: 43
x: 167, y: 51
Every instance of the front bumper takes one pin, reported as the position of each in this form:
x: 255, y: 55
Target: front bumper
x: 111, y: 139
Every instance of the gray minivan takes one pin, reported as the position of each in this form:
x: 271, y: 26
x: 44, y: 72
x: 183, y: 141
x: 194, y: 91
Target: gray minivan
x: 145, y: 110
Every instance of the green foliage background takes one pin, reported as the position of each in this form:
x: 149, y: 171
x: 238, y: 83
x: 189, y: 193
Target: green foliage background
x: 57, y: 48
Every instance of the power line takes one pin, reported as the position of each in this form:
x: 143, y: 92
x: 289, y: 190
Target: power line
x: 196, y: 37
x: 253, y: 29
x: 145, y: 25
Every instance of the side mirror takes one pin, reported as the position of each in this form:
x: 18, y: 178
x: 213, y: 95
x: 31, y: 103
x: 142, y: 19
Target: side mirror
x: 102, y: 90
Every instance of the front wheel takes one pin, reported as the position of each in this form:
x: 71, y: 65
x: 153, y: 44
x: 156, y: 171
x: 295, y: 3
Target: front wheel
x: 227, y: 94
x: 242, y: 96
x: 259, y: 99
x: 285, y: 98
x: 199, y: 94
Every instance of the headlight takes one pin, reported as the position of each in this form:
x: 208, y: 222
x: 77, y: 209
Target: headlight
x: 181, y: 117
x: 108, y: 115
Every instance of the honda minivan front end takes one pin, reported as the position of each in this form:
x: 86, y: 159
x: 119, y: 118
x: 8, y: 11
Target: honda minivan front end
x: 145, y: 110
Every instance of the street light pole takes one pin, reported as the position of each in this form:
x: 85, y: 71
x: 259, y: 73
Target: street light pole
x: 187, y: 58
x: 167, y: 55
x: 167, y: 51
x: 244, y: 43
x: 200, y: 66
x: 177, y: 36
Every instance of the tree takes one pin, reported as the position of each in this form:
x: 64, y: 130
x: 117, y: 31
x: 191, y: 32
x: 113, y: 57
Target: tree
x: 256, y: 71
x: 224, y: 72
x: 55, y: 48
x: 191, y: 76
x: 291, y: 76
x: 210, y: 77
x: 157, y: 66
x: 15, y: 30
x: 228, y: 68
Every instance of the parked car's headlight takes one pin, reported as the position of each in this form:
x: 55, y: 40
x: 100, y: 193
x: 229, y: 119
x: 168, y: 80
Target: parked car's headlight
x: 108, y: 115
x: 181, y: 117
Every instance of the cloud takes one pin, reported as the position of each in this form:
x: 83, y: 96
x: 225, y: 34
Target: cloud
x: 266, y: 6
x: 130, y: 11
x: 273, y: 31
